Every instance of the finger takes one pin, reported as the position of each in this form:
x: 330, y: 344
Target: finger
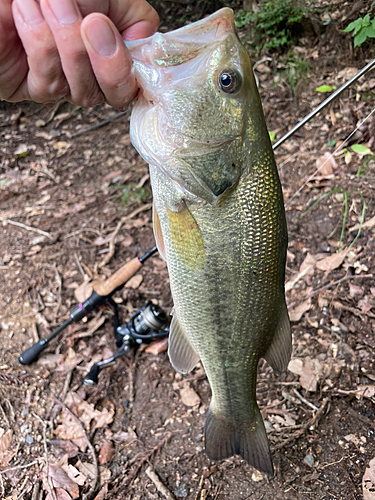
x: 110, y: 60
x: 45, y: 81
x: 64, y: 20
x: 13, y: 61
x: 125, y: 14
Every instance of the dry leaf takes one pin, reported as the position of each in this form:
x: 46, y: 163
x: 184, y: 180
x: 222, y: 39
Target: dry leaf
x: 125, y: 437
x: 102, y: 495
x: 333, y: 261
x: 135, y: 281
x: 106, y: 453
x: 68, y: 448
x: 5, y: 439
x: 309, y: 370
x: 368, y: 482
x: 83, y: 291
x: 74, y: 474
x: 157, y: 346
x: 355, y: 291
x: 369, y: 224
x: 60, y: 480
x: 325, y: 165
x: 297, y: 313
x: 188, y: 396
x: 69, y: 428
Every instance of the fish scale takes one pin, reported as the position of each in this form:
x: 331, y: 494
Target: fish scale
x: 219, y: 221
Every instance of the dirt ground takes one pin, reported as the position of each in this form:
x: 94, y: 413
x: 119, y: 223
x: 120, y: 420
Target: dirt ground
x: 75, y: 205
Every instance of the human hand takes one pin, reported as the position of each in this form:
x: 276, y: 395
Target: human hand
x: 72, y: 49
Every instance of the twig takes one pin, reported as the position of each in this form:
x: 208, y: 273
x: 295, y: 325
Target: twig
x: 2, y: 486
x: 65, y: 389
x: 79, y: 265
x: 4, y: 415
x: 100, y: 124
x: 162, y: 489
x: 82, y: 230
x: 50, y: 487
x: 304, y: 400
x: 28, y: 228
x: 59, y: 282
x: 36, y: 489
x: 20, y: 467
x: 338, y: 282
x: 111, y: 252
x: 314, y: 420
x: 95, y: 482
x: 23, y: 487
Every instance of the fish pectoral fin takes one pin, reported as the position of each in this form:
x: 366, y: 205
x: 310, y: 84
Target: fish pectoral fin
x: 157, y: 231
x: 186, y: 237
x: 280, y: 351
x: 225, y: 437
x: 182, y: 354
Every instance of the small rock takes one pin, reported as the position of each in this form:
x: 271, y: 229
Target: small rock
x: 182, y: 491
x: 309, y: 460
x: 29, y: 439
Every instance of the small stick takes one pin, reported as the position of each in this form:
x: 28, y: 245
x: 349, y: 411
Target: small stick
x: 20, y: 467
x: 36, y: 489
x: 50, y: 487
x: 314, y: 420
x: 2, y: 486
x: 59, y: 282
x: 79, y: 265
x: 304, y: 400
x: 111, y: 252
x: 95, y: 482
x: 99, y: 124
x: 162, y: 489
x: 65, y: 389
x: 28, y: 228
x: 4, y: 415
x: 338, y: 282
x: 23, y: 487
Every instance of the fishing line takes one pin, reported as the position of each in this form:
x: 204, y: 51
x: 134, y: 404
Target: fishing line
x: 328, y: 159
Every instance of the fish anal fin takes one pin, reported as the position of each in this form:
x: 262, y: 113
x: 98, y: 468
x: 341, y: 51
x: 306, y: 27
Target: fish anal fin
x: 157, y: 231
x: 280, y: 351
x: 224, y: 438
x: 186, y: 237
x: 182, y: 354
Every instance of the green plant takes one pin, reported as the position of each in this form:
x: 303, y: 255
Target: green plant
x: 130, y: 193
x: 274, y: 22
x: 297, y: 68
x: 363, y: 28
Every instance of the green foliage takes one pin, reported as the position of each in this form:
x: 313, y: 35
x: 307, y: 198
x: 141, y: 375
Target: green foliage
x: 325, y: 88
x: 297, y: 68
x: 363, y: 28
x: 273, y: 22
x: 130, y: 193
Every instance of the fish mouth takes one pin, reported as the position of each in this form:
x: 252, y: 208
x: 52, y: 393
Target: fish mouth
x: 154, y: 57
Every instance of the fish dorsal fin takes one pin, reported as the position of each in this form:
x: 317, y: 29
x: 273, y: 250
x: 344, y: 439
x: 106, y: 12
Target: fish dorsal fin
x: 280, y: 351
x: 182, y: 354
x: 157, y: 231
x: 186, y: 237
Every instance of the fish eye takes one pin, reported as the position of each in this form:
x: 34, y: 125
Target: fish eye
x: 229, y: 81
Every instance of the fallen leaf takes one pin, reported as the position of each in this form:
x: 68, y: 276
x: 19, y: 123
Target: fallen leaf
x: 355, y: 291
x: 61, y: 481
x: 134, y: 282
x: 5, y: 439
x: 125, y: 437
x: 297, y: 313
x: 74, y: 474
x: 106, y: 453
x: 368, y: 224
x: 83, y: 291
x: 325, y: 165
x: 188, y: 396
x: 310, y: 371
x: 368, y: 482
x: 333, y: 261
x: 157, y: 346
x: 68, y: 448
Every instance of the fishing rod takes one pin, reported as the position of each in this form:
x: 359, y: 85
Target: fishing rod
x: 103, y: 291
x: 325, y: 103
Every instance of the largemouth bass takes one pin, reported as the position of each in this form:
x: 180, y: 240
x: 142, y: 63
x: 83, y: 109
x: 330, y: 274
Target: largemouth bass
x: 219, y: 220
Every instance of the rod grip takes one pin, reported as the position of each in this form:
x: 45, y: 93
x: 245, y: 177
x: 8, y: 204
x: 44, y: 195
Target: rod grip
x: 119, y: 278
x: 31, y: 354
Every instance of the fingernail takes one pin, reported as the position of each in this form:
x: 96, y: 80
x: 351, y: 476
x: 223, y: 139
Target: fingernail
x: 65, y: 11
x: 30, y: 11
x: 101, y: 37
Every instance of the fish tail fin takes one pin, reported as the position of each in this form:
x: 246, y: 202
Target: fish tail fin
x: 224, y: 439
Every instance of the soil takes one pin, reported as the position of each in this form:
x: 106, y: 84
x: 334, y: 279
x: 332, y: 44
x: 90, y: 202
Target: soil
x: 64, y: 183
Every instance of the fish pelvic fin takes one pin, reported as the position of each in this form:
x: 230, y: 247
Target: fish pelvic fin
x: 224, y: 438
x: 279, y: 352
x: 186, y: 238
x: 157, y: 231
x: 182, y: 354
